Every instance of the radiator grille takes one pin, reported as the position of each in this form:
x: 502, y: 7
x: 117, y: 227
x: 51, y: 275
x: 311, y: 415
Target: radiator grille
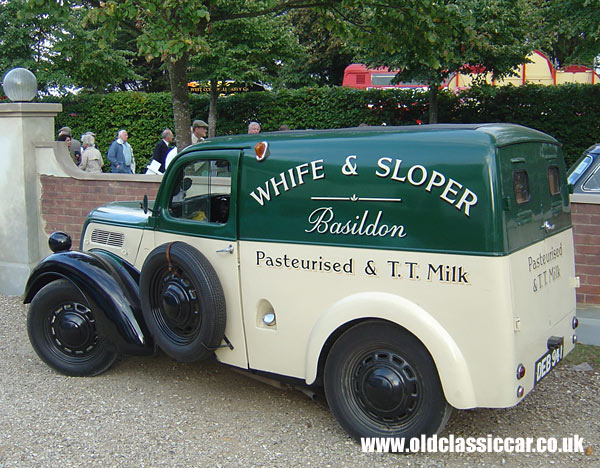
x: 113, y: 239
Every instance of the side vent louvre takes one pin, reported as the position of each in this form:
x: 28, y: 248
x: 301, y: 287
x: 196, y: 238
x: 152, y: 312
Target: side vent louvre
x: 113, y: 239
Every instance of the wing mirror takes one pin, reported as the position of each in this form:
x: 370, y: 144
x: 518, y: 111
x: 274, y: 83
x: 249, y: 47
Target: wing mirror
x: 144, y: 205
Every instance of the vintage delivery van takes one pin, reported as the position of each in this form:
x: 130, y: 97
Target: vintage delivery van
x: 406, y: 270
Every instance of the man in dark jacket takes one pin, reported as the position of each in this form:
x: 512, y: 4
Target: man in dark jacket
x: 162, y: 148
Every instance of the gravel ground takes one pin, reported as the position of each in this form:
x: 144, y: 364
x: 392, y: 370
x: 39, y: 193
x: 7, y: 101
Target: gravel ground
x: 154, y: 412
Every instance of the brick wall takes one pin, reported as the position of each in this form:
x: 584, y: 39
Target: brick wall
x: 586, y: 222
x: 66, y: 201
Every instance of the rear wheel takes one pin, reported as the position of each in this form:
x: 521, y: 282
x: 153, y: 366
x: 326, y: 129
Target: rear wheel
x: 62, y: 330
x: 380, y: 381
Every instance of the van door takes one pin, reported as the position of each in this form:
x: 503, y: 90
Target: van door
x: 535, y: 195
x: 539, y: 242
x: 197, y: 205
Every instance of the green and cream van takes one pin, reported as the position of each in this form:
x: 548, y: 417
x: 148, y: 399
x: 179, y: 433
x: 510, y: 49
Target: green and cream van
x: 407, y: 270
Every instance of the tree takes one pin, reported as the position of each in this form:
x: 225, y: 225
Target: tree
x: 169, y: 31
x: 24, y: 43
x: 85, y: 65
x: 15, y: 39
x: 568, y: 30
x: 430, y: 40
x: 244, y: 50
x: 176, y: 30
x: 48, y: 39
x: 326, y: 54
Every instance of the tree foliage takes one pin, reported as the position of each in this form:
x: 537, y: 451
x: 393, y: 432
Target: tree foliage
x: 177, y: 30
x: 246, y: 50
x: 326, y: 54
x: 568, y: 30
x: 49, y: 38
x: 25, y: 41
x: 16, y: 39
x: 430, y: 40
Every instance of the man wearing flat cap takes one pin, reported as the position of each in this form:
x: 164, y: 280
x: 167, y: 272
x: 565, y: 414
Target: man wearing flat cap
x: 199, y: 130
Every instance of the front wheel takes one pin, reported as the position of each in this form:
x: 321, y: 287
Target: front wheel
x: 62, y: 331
x: 380, y: 381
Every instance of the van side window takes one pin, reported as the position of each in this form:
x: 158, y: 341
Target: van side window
x: 521, y: 186
x: 203, y: 192
x: 554, y: 180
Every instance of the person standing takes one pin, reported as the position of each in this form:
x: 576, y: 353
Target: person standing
x: 74, y: 145
x: 89, y: 133
x: 75, y: 155
x: 162, y: 148
x: 199, y: 131
x: 91, y: 159
x: 253, y: 127
x: 120, y: 155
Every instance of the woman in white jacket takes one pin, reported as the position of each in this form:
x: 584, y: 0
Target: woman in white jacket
x: 91, y: 159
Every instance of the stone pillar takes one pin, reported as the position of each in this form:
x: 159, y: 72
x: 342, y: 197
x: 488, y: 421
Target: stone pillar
x: 23, y: 125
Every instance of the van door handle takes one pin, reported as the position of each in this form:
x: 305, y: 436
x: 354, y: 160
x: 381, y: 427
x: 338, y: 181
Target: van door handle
x: 547, y: 226
x: 228, y: 249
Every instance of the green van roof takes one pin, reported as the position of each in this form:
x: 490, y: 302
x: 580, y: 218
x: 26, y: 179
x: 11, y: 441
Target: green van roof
x: 501, y: 134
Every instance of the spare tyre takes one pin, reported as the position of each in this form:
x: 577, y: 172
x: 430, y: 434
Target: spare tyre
x: 182, y: 302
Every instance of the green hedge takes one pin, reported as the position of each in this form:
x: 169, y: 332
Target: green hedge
x: 571, y: 113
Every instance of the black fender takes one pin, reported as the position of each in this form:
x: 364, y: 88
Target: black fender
x: 111, y: 286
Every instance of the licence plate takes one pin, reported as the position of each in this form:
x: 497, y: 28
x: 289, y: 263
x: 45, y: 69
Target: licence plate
x: 547, y: 362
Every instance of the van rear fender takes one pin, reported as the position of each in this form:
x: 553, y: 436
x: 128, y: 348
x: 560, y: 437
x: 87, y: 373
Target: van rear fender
x: 111, y: 289
x: 451, y: 365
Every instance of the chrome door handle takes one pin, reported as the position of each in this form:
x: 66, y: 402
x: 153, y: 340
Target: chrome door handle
x: 228, y: 249
x: 547, y: 226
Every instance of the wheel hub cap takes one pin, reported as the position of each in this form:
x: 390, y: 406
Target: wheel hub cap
x: 176, y: 304
x: 387, y: 387
x: 73, y: 328
x: 383, y: 388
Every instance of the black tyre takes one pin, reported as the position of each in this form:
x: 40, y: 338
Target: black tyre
x: 182, y: 302
x: 62, y: 330
x: 380, y: 381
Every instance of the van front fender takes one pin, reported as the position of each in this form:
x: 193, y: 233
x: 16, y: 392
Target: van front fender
x: 111, y: 288
x: 451, y: 365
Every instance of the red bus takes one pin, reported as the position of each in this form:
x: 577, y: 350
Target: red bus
x: 360, y: 77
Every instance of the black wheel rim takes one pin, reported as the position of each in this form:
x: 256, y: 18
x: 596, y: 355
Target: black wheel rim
x: 71, y: 332
x: 386, y: 388
x: 175, y: 305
